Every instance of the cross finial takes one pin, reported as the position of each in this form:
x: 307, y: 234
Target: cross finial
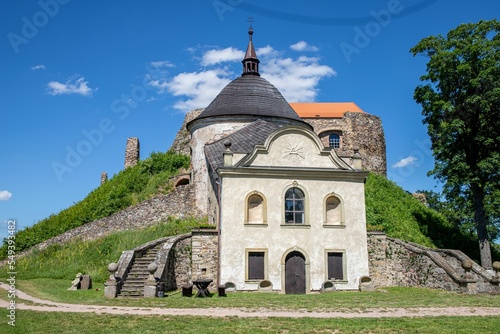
x: 250, y: 20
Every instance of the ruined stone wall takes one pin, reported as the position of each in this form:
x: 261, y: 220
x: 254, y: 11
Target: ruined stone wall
x: 356, y: 129
x: 393, y: 262
x: 177, y: 204
x: 205, y: 250
x: 181, y: 264
x: 132, y: 152
x: 181, y: 142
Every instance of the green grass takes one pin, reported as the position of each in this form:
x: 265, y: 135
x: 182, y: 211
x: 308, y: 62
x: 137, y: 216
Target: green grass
x: 32, y: 322
x: 132, y: 185
x: 56, y: 290
x: 92, y: 257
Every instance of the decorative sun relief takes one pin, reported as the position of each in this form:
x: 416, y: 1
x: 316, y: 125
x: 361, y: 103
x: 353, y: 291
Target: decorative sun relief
x: 294, y: 151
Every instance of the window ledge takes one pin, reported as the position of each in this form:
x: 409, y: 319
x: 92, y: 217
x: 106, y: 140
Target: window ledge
x: 256, y: 224
x: 295, y: 226
x: 338, y: 281
x: 340, y: 227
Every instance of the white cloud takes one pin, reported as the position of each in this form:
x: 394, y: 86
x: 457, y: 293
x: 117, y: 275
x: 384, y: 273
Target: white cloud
x: 213, y: 57
x: 38, y: 67
x: 303, y: 46
x: 77, y: 87
x: 297, y: 79
x: 199, y: 87
x: 161, y: 63
x: 5, y: 195
x: 266, y: 51
x: 405, y: 162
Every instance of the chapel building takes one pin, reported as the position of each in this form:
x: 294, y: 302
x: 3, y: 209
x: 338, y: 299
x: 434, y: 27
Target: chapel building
x: 284, y: 185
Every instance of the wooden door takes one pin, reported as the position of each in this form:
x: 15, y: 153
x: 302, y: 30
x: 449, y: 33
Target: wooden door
x: 295, y: 273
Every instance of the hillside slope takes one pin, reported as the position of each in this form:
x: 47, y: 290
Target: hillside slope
x: 391, y: 209
x: 130, y: 186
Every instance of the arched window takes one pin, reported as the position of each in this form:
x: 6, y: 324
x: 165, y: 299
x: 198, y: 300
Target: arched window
x: 255, y: 209
x: 334, y: 140
x: 294, y: 206
x: 333, y: 211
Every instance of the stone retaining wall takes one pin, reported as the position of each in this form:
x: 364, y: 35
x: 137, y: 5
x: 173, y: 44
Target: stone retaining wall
x: 179, y: 203
x: 205, y: 251
x: 393, y: 262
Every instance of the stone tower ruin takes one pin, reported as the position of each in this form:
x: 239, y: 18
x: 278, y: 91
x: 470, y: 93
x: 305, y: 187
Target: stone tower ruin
x: 132, y: 152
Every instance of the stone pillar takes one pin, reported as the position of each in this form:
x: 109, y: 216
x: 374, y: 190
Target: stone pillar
x: 104, y: 177
x: 132, y: 152
x: 150, y: 284
x: 110, y: 286
x: 467, y: 282
x: 356, y: 159
x: 228, y: 155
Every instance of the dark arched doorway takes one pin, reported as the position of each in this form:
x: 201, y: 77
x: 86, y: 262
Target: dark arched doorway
x: 295, y: 273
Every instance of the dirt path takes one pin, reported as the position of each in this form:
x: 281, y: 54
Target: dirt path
x: 49, y: 306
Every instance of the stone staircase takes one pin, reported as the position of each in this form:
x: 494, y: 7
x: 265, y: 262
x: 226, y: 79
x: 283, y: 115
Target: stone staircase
x: 133, y: 285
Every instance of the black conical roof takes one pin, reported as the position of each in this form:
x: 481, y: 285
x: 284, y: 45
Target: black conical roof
x: 250, y: 95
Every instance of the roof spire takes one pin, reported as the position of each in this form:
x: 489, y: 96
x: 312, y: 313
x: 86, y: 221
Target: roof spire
x: 250, y: 63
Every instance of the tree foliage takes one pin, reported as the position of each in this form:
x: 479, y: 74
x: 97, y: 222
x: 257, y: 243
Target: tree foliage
x: 460, y: 101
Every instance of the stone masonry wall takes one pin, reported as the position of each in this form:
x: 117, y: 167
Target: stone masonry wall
x: 181, y: 142
x: 181, y: 264
x: 393, y: 262
x: 177, y: 204
x: 205, y: 255
x: 356, y: 129
x: 132, y: 152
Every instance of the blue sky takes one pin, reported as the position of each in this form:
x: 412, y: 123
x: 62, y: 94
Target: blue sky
x: 79, y: 77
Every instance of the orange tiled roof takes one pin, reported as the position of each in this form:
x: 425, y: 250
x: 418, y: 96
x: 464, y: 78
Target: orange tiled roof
x: 324, y: 109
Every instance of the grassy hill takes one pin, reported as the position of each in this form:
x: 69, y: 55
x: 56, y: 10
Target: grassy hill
x: 388, y: 208
x: 131, y: 186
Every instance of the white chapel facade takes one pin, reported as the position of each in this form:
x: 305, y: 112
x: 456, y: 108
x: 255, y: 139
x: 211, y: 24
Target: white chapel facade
x: 290, y: 212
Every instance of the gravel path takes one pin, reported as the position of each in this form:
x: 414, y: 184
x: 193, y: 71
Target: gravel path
x: 49, y: 306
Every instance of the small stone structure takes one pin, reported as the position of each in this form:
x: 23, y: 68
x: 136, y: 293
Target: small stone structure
x: 132, y: 152
x: 111, y: 285
x: 104, y: 177
x: 86, y: 282
x: 75, y: 284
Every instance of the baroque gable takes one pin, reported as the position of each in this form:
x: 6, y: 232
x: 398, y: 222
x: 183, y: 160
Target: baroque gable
x: 293, y: 147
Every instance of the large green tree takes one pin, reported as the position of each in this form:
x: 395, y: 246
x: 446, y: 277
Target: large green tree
x: 460, y: 101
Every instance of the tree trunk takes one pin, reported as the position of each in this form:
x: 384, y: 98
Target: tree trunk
x: 480, y: 220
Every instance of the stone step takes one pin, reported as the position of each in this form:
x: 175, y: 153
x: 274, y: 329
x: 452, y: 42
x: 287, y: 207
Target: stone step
x: 131, y: 294
x: 134, y: 284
